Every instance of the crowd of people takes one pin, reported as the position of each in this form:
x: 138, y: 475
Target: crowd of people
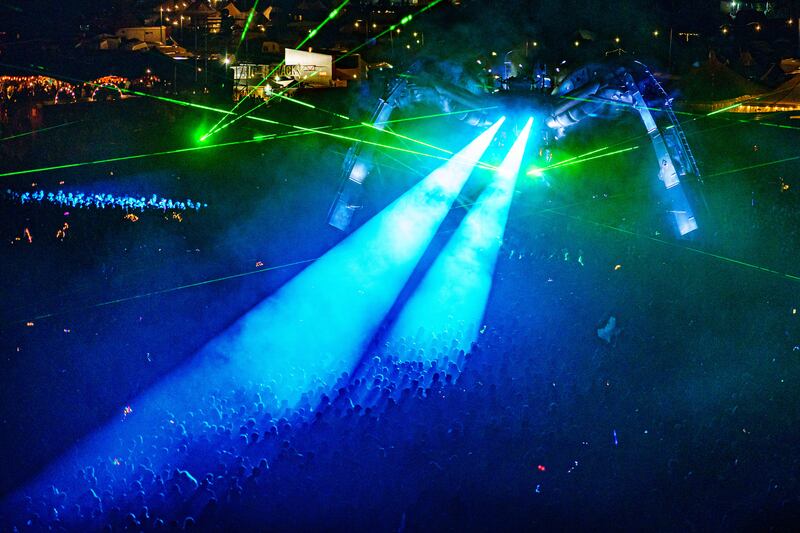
x: 539, y: 423
x: 82, y: 200
x: 38, y: 88
x: 681, y: 418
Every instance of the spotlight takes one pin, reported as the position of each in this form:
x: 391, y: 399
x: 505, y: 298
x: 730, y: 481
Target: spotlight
x: 453, y: 294
x: 344, y: 295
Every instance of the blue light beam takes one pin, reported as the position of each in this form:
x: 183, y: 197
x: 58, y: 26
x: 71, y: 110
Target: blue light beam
x: 315, y: 325
x: 453, y: 294
x: 320, y: 321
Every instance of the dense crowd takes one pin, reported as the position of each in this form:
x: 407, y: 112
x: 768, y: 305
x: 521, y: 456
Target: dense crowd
x: 37, y: 88
x: 684, y: 419
x: 426, y: 431
x: 82, y: 200
x: 538, y: 418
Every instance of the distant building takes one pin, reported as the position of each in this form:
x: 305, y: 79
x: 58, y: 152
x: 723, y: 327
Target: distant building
x: 309, y: 67
x: 235, y: 13
x: 103, y: 41
x: 147, y: 34
x: 203, y: 17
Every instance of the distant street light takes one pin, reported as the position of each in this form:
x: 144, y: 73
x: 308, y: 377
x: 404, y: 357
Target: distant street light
x: 756, y: 26
x: 616, y: 40
x: 655, y: 33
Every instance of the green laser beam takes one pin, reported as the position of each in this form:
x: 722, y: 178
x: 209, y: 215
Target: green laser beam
x: 696, y: 116
x: 727, y: 108
x: 311, y: 34
x: 600, y: 156
x: 639, y: 190
x: 757, y: 97
x: 538, y: 171
x: 731, y: 260
x: 366, y: 124
x: 229, y: 112
x: 160, y: 153
x: 397, y: 120
x: 246, y: 27
x: 350, y: 139
x: 306, y: 131
x: 760, y: 123
x: 405, y: 20
x: 123, y: 158
x: 389, y: 131
x: 166, y: 291
x: 18, y: 135
x: 124, y: 90
x: 574, y: 157
x: 232, y: 111
x: 247, y: 113
x: 186, y: 104
x: 750, y: 167
x: 236, y: 119
x: 435, y: 115
x: 220, y: 110
x: 332, y: 15
x: 612, y: 103
x: 706, y: 130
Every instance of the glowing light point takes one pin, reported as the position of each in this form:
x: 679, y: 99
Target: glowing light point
x: 535, y: 172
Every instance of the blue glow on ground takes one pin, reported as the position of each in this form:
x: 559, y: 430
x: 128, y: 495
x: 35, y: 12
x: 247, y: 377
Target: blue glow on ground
x: 453, y: 294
